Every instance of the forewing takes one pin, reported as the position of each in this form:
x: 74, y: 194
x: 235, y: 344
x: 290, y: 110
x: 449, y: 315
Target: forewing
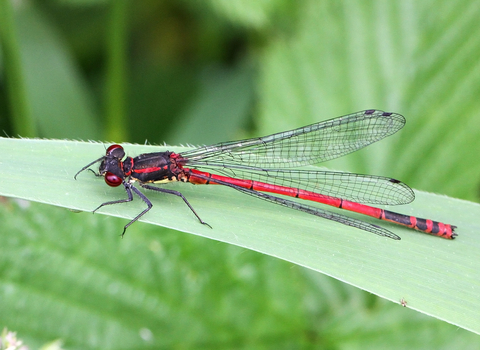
x: 303, y: 146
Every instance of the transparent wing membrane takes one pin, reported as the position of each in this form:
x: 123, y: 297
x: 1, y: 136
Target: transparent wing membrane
x: 303, y: 146
x: 255, y: 158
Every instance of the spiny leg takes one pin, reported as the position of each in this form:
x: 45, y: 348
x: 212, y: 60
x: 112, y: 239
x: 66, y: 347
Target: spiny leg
x: 128, y: 188
x: 176, y: 193
x: 147, y: 202
x: 129, y: 199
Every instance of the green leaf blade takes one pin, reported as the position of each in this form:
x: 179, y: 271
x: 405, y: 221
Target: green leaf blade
x: 436, y: 276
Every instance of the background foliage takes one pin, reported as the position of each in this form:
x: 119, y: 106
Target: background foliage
x: 203, y: 72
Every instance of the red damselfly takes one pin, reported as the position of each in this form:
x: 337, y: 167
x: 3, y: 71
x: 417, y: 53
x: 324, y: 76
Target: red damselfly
x: 260, y: 166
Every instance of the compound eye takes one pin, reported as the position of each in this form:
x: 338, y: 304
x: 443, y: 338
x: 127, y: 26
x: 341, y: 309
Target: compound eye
x: 112, y: 179
x: 115, y: 151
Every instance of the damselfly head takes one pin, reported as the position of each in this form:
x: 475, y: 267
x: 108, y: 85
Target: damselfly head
x: 111, y: 167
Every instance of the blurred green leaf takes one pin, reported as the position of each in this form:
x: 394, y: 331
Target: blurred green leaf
x: 95, y: 290
x: 251, y: 14
x: 394, y: 56
x: 23, y: 121
x: 219, y: 110
x: 58, y: 95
